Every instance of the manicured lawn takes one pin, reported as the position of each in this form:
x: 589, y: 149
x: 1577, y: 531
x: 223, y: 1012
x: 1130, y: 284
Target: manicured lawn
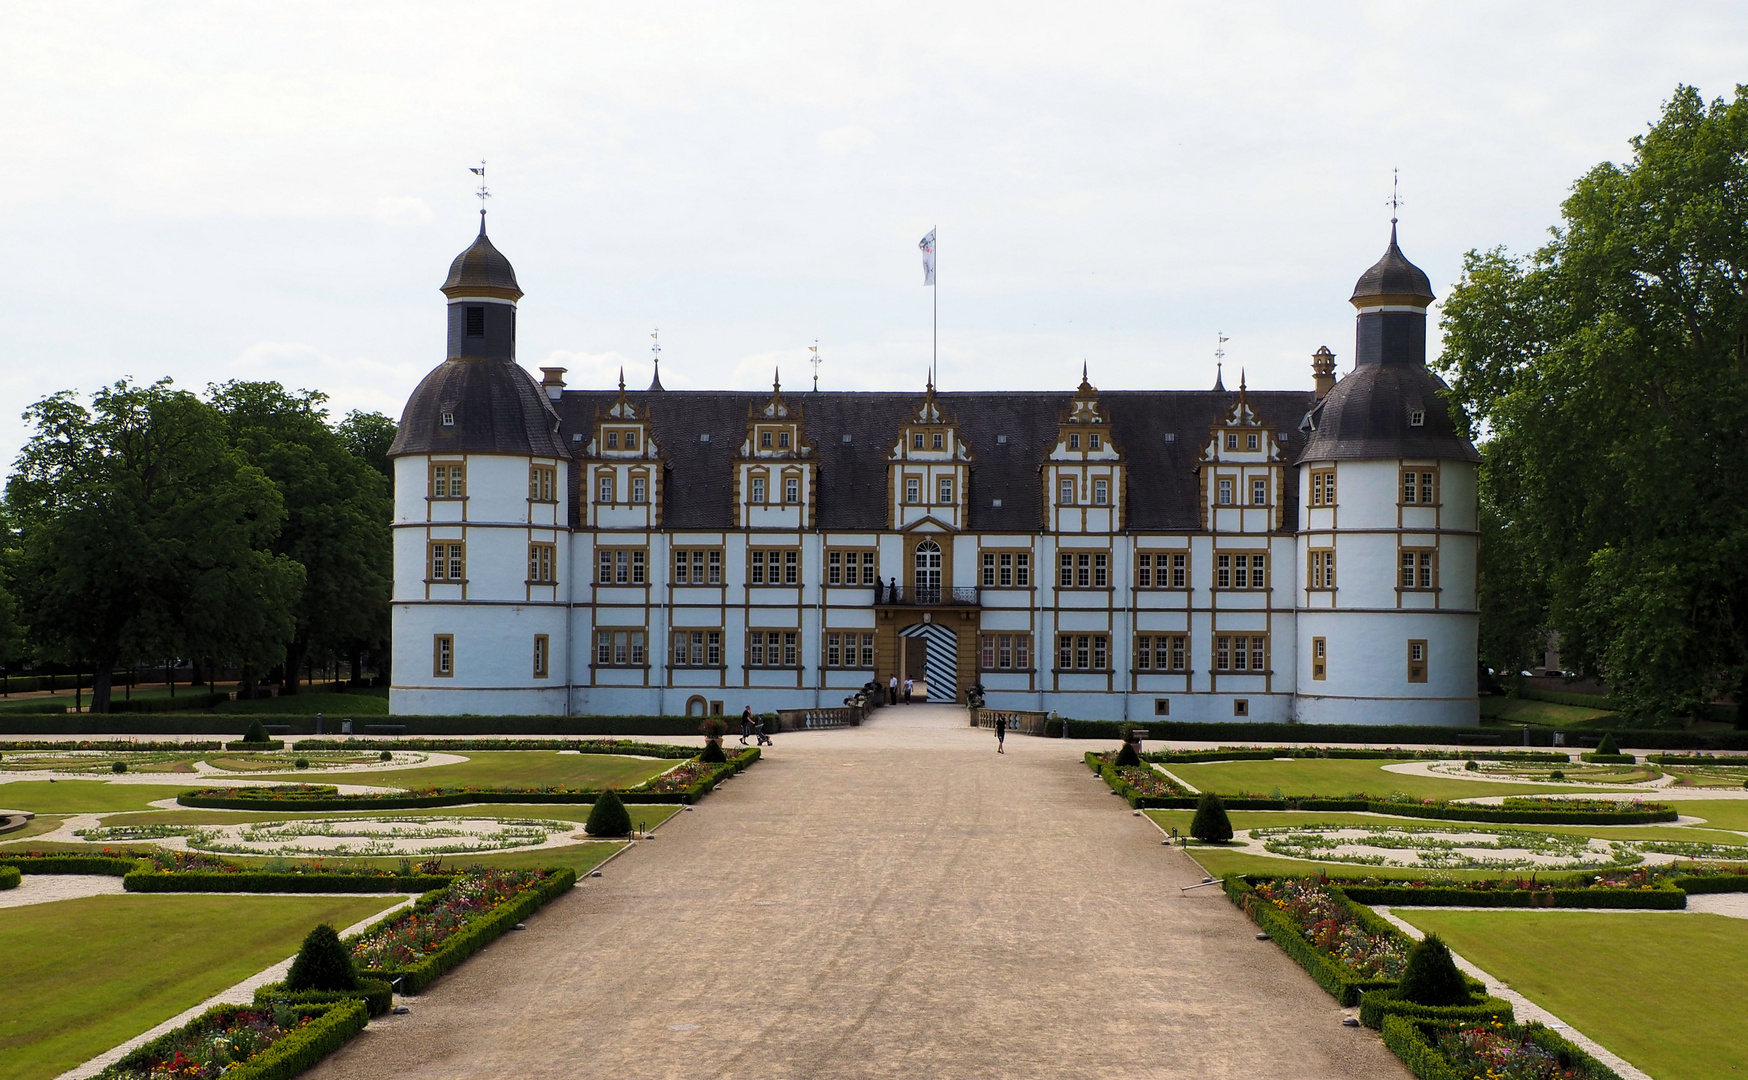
x: 510, y: 768
x: 80, y: 976
x: 83, y: 796
x: 334, y: 707
x: 36, y: 826
x: 1338, y: 777
x: 1219, y: 862
x: 1525, y: 711
x: 654, y: 814
x: 1263, y: 819
x: 1718, y: 813
x: 1663, y: 991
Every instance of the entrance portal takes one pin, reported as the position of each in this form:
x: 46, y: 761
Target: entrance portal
x: 940, y: 660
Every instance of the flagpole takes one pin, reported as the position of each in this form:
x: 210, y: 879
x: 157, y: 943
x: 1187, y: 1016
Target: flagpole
x: 935, y: 357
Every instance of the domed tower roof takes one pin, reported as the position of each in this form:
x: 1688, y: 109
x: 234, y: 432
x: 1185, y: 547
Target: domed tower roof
x: 479, y: 407
x: 482, y: 270
x: 1392, y: 280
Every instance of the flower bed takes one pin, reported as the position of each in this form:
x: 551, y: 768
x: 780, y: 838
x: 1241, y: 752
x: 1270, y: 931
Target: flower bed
x: 1491, y: 1051
x: 448, y: 925
x: 1640, y: 887
x: 1444, y: 848
x: 362, y: 837
x: 1141, y: 786
x: 1265, y: 753
x: 161, y: 871
x: 1330, y: 925
x: 245, y: 1043
x: 626, y: 747
x: 1289, y: 912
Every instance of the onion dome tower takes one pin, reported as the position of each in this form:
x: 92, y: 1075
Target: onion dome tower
x: 1386, y: 631
x: 481, y: 526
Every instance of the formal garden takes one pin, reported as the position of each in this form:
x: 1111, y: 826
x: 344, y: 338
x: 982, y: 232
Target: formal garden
x: 1588, y: 886
x: 227, y: 855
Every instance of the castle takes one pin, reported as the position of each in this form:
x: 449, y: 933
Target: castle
x: 1199, y: 555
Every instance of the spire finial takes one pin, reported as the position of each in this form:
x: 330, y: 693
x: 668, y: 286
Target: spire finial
x: 815, y: 360
x: 622, y: 378
x: 482, y: 194
x: 1242, y: 387
x: 776, y: 381
x: 1220, y: 361
x: 1395, y: 200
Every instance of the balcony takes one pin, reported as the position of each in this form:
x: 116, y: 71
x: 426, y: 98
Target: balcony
x: 924, y: 596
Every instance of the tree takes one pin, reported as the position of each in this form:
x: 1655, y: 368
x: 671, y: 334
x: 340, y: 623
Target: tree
x: 608, y: 817
x: 1431, y: 976
x: 142, y: 532
x: 1211, y: 825
x: 322, y: 963
x: 1609, y: 374
x: 336, y: 516
x: 367, y: 436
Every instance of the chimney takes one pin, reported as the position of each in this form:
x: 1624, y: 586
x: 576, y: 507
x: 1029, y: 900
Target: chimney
x: 552, y: 378
x: 1323, y: 371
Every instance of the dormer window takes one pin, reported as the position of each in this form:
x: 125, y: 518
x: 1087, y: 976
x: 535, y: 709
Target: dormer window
x: 1417, y: 418
x: 764, y: 440
x: 937, y: 440
x: 631, y: 440
x: 476, y: 322
x: 448, y: 419
x: 783, y: 440
x: 1232, y: 441
x: 1074, y: 441
x: 916, y: 441
x: 1252, y: 442
x: 612, y: 440
x: 1092, y: 441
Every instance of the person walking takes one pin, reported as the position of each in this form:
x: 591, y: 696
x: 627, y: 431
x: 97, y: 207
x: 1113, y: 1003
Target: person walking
x: 892, y: 690
x: 759, y: 730
x: 746, y: 724
x: 908, y: 683
x: 1001, y: 734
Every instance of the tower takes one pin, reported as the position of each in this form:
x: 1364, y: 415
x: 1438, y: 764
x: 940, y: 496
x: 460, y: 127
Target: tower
x: 1387, y: 620
x: 481, y: 518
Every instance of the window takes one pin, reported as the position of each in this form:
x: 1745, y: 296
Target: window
x: 1240, y: 706
x: 840, y: 568
x: 1416, y: 418
x: 619, y: 648
x: 782, y: 440
x: 697, y: 648
x: 792, y: 489
x: 621, y: 566
x: 1084, y: 569
x: 913, y: 488
x: 1074, y: 441
x: 1417, y: 660
x: 1419, y: 568
x: 542, y: 483
x: 1241, y: 653
x: 1232, y: 441
x: 1101, y: 491
x: 1252, y: 442
x: 1323, y: 487
x: 849, y: 650
x: 631, y: 440
x: 1225, y: 491
x: 1259, y: 491
x: 1321, y: 571
x: 916, y: 441
x: 448, y: 562
x: 944, y: 490
x: 542, y: 656
x: 604, y: 488
x: 776, y: 566
x: 698, y: 566
x: 541, y: 559
x: 1161, y: 706
x: 792, y: 567
x: 771, y: 648
x: 1162, y: 653
x: 1162, y: 570
x: 1092, y: 441
x: 443, y: 655
x: 1005, y: 652
x: 1419, y: 487
x: 448, y: 419
x: 612, y: 440
x: 1065, y: 491
x: 448, y: 481
x: 935, y: 441
x: 764, y: 440
x: 758, y: 489
x: 639, y: 489
x: 476, y: 322
x: 1319, y: 658
x: 1241, y: 571
x: 1083, y: 652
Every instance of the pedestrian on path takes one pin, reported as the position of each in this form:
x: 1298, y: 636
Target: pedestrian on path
x: 1001, y: 734
x: 759, y: 729
x: 908, y: 683
x: 892, y: 690
x: 746, y: 724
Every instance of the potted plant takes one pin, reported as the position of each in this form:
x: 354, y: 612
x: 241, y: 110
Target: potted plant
x: 713, y: 729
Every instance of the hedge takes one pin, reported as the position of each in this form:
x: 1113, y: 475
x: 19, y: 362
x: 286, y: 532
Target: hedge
x: 1401, y: 734
x: 330, y: 1027
x: 1408, y: 1040
x: 1324, y: 969
x: 1711, y: 883
x: 148, y: 880
x: 1610, y: 759
x: 1662, y: 897
x: 112, y: 744
x: 1377, y: 1004
x: 1248, y: 753
x: 37, y: 707
x: 1695, y: 759
x: 581, y: 746
x: 377, y: 995
x: 470, y: 939
x: 10, y: 876
x: 70, y: 863
x: 225, y: 723
x: 270, y: 744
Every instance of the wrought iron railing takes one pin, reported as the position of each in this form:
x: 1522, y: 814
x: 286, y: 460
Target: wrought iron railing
x: 925, y: 596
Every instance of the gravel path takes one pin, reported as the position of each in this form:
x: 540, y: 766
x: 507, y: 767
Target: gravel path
x: 890, y: 901
x: 47, y: 888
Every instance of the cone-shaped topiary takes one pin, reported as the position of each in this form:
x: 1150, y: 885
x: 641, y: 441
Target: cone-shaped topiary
x: 1431, y: 977
x: 1211, y: 823
x: 608, y: 817
x: 713, y: 731
x: 1607, y: 746
x: 1126, y: 755
x: 322, y: 964
x: 713, y: 753
x: 256, y: 732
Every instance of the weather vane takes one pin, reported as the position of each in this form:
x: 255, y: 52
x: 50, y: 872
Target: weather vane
x: 815, y: 360
x: 655, y: 351
x: 483, y: 193
x: 1219, y: 355
x: 1395, y: 200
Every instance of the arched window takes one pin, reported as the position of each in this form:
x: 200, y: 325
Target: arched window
x: 927, y: 579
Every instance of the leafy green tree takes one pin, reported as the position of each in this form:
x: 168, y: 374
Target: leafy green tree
x: 142, y: 532
x: 367, y: 436
x: 336, y: 516
x: 1608, y: 372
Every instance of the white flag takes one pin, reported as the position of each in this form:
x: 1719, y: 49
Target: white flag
x: 928, y: 245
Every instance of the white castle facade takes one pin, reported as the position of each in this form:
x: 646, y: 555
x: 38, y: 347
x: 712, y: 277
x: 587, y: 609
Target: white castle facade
x: 1208, y: 555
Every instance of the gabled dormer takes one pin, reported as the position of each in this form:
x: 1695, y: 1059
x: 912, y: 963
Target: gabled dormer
x: 928, y: 471
x: 1242, y: 473
x: 775, y: 473
x: 1083, y: 475
x: 622, y: 469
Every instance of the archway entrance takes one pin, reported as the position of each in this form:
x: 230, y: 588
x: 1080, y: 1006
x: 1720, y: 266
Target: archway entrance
x: 940, y: 656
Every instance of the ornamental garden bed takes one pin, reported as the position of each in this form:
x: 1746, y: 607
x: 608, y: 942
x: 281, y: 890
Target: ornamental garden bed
x: 241, y: 1042
x: 349, y: 837
x: 1142, y: 785
x: 1447, y: 1051
x: 158, y: 871
x: 1264, y: 753
x: 1638, y: 888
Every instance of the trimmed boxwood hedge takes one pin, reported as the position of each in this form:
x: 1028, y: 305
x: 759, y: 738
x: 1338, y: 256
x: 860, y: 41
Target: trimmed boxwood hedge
x: 377, y: 995
x: 1610, y: 759
x: 581, y: 746
x: 68, y: 863
x: 225, y: 724
x: 111, y: 744
x: 1414, y: 1043
x: 1708, y: 760
x: 330, y: 1027
x: 270, y: 744
x: 1661, y: 897
x: 1377, y: 1004
x: 10, y: 876
x: 1218, y: 731
x: 1166, y: 757
x: 145, y: 879
x: 1711, y: 883
x: 1324, y: 969
x: 169, y: 704
x: 469, y: 940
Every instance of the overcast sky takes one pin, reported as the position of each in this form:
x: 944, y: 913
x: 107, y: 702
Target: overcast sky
x: 275, y: 190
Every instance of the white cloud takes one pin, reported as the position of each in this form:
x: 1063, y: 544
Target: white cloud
x: 845, y: 140
x: 403, y: 210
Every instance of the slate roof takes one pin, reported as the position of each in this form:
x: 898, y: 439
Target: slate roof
x: 1366, y: 418
x: 1162, y: 491
x: 498, y: 407
x: 1393, y: 276
x: 481, y: 266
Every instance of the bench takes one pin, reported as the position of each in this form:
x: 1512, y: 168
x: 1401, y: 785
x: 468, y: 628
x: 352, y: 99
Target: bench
x: 1478, y: 738
x: 385, y: 729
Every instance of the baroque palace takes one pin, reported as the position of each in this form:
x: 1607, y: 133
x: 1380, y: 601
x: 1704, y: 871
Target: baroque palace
x: 1203, y: 555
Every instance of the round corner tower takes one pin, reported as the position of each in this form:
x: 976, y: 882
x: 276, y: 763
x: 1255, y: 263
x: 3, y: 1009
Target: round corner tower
x: 1387, y: 621
x: 481, y: 517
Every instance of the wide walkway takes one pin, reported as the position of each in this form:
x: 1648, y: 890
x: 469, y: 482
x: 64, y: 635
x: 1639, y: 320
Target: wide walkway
x: 894, y: 900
